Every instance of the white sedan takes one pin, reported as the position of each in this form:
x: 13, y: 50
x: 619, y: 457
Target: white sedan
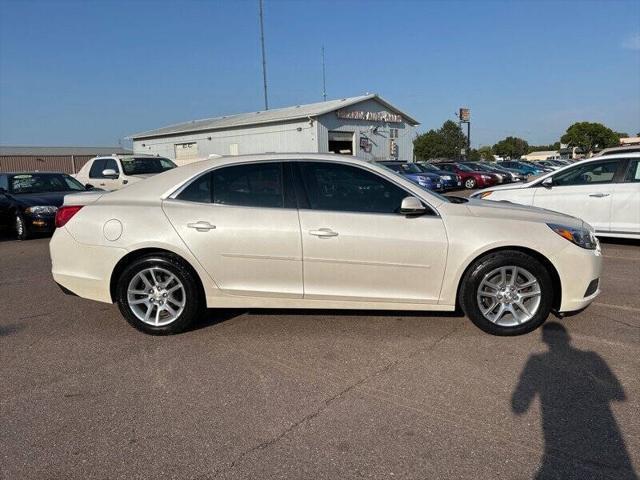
x: 317, y: 231
x: 604, y: 191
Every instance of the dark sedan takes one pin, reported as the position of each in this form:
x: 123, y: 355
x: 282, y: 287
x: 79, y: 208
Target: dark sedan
x: 29, y: 201
x: 449, y: 180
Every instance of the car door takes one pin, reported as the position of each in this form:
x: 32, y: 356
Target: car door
x: 241, y: 223
x: 356, y: 247
x: 625, y: 201
x: 583, y: 191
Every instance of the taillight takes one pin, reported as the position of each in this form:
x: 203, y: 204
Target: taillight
x: 64, y: 214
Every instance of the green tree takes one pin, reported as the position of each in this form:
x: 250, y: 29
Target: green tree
x: 590, y: 136
x: 486, y: 153
x: 512, y: 147
x: 446, y: 142
x: 474, y: 155
x: 543, y: 148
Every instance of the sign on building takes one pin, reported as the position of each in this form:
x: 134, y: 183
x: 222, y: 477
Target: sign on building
x: 369, y: 116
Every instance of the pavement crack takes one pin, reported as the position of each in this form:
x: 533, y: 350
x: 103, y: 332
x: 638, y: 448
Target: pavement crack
x: 325, y: 404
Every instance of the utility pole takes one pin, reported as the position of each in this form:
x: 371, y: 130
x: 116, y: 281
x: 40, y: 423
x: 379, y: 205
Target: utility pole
x: 324, y: 79
x: 264, y: 60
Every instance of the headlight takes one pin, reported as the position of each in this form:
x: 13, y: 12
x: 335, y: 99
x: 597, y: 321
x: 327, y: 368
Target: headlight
x: 485, y: 177
x: 41, y: 210
x: 485, y: 194
x: 582, y: 237
x: 446, y: 177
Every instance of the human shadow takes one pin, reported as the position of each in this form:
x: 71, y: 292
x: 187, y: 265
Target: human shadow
x: 581, y: 435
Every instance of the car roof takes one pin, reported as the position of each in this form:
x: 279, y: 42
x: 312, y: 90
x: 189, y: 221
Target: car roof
x: 33, y: 173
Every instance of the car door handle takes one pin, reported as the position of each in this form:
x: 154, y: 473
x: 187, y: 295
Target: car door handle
x: 201, y: 226
x: 323, y: 232
x: 599, y: 195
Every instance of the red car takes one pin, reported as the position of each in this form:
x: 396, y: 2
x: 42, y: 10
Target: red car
x: 470, y: 178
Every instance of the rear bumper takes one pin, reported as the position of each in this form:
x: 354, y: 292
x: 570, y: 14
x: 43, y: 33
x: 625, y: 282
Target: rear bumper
x: 578, y: 268
x: 40, y: 224
x: 83, y: 270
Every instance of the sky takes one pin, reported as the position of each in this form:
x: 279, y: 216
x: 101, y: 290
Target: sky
x: 93, y: 72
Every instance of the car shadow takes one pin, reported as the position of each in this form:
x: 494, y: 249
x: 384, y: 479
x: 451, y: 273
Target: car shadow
x: 575, y: 387
x: 214, y: 316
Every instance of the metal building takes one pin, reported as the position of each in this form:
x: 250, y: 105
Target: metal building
x: 366, y: 126
x: 50, y: 159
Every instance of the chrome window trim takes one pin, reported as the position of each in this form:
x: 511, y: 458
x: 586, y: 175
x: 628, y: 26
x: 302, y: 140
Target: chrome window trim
x: 177, y: 190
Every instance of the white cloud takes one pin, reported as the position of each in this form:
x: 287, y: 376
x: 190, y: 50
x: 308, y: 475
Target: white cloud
x: 632, y: 42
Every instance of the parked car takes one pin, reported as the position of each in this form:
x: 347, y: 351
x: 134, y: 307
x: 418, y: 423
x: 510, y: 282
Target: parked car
x: 604, y: 191
x: 449, y: 180
x: 471, y: 178
x: 503, y: 177
x: 29, y: 201
x: 521, y: 167
x: 410, y: 170
x: 116, y: 171
x: 552, y: 165
x: 317, y: 231
x: 493, y: 167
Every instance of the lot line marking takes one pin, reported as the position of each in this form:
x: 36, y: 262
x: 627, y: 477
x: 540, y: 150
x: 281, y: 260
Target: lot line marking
x: 619, y: 307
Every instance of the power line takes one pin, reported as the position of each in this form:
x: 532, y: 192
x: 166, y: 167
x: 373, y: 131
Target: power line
x: 264, y: 60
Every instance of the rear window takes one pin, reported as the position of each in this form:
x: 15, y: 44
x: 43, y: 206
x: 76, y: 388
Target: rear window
x: 42, y: 182
x: 146, y: 165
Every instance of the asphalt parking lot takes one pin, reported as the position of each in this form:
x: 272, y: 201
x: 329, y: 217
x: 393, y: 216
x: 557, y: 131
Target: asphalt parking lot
x: 318, y: 395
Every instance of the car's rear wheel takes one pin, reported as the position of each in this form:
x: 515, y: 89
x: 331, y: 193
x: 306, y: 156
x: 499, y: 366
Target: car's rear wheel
x: 159, y: 295
x: 470, y: 183
x: 22, y: 233
x: 507, y: 293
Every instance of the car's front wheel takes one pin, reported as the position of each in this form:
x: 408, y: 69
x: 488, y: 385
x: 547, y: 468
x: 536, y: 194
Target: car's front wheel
x: 507, y: 293
x: 159, y: 295
x: 470, y: 183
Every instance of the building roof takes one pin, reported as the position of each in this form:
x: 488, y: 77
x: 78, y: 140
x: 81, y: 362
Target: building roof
x: 64, y: 151
x: 543, y: 152
x: 266, y: 116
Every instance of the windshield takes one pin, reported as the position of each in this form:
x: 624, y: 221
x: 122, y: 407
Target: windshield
x: 43, y: 182
x: 426, y: 167
x: 146, y: 165
x: 465, y: 168
x: 411, y: 168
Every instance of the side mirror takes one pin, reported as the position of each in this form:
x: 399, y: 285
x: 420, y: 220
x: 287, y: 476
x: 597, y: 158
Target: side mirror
x: 110, y: 173
x: 547, y: 182
x: 412, y: 206
x: 89, y: 187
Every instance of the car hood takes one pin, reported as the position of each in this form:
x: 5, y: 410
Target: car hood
x: 141, y: 176
x: 513, y: 211
x: 54, y: 199
x: 508, y: 186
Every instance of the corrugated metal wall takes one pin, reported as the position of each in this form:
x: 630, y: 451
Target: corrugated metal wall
x: 43, y: 163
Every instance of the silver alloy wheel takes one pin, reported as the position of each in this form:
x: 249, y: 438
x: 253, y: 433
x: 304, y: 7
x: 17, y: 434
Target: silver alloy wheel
x: 509, y: 296
x: 156, y: 296
x: 470, y: 183
x: 19, y: 226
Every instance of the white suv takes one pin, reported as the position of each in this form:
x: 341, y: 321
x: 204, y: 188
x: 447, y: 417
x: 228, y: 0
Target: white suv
x: 114, y: 172
x: 604, y: 191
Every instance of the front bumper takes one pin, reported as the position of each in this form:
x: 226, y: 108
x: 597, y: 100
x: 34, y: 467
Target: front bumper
x: 578, y: 268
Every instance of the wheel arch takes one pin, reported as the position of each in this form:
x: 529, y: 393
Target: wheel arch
x: 553, y: 272
x: 143, y: 252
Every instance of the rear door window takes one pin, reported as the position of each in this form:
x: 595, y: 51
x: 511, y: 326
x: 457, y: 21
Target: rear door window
x: 633, y: 172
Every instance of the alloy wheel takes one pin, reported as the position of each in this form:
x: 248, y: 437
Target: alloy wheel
x: 156, y: 296
x: 509, y: 296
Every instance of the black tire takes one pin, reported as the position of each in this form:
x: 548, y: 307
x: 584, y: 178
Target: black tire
x: 22, y: 232
x: 475, y: 274
x: 470, y: 183
x: 193, y: 298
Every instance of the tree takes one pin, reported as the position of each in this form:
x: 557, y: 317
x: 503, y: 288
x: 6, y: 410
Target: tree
x: 543, y: 148
x: 474, y: 155
x: 486, y: 153
x: 589, y: 136
x: 446, y: 142
x: 512, y: 147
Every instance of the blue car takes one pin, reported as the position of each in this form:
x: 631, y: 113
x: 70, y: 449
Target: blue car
x: 520, y: 167
x: 412, y: 172
x: 449, y: 180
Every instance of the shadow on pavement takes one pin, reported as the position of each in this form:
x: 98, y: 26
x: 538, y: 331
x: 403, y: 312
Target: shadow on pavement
x: 575, y: 387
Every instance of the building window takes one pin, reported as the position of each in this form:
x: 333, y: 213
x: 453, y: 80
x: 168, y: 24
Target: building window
x: 393, y: 133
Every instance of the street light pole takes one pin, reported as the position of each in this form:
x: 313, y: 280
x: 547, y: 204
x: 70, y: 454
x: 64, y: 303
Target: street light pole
x: 264, y: 61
